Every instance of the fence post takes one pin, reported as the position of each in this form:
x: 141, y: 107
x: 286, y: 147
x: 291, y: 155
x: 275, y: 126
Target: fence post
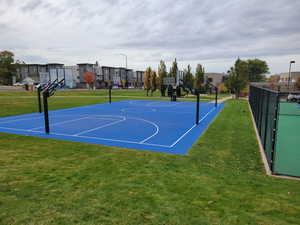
x: 262, y: 112
x: 216, y: 101
x: 274, y: 134
x: 197, y: 108
x: 39, y: 99
x: 267, y: 120
x: 109, y: 93
x: 46, y: 116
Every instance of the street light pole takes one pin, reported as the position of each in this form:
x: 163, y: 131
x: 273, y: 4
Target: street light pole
x: 126, y: 68
x: 289, y: 80
x: 125, y: 58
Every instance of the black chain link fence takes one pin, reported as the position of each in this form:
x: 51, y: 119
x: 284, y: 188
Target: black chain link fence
x: 277, y: 118
x: 264, y: 105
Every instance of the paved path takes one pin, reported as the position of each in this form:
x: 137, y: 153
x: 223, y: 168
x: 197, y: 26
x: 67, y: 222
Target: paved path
x: 222, y: 99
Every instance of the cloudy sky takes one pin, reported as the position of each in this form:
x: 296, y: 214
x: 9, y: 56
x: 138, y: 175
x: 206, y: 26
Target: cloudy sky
x: 211, y: 32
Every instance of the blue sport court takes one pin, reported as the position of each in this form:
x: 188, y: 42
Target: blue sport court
x: 161, y: 126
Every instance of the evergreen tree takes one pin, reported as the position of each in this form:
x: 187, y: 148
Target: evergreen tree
x: 188, y: 79
x: 174, y: 70
x: 162, y: 73
x: 153, y: 82
x: 199, y: 77
x: 237, y: 77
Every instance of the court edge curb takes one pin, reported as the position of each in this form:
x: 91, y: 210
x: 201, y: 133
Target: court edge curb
x: 262, y: 152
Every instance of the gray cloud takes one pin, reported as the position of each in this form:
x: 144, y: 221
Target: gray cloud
x: 31, y: 5
x: 149, y: 30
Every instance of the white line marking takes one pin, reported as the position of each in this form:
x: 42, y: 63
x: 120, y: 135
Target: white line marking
x: 34, y: 117
x: 156, y: 132
x: 182, y: 136
x: 30, y: 118
x: 54, y: 124
x: 124, y: 141
x: 135, y: 110
x: 116, y: 140
x: 159, y: 104
x: 88, y: 137
x: 97, y: 128
x: 7, y: 128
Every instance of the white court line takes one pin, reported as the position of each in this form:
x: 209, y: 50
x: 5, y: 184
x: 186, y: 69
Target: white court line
x: 16, y: 129
x: 124, y: 118
x: 163, y: 105
x: 134, y: 110
x: 155, y: 133
x: 54, y: 124
x: 15, y: 120
x: 116, y: 140
x: 123, y: 141
x: 32, y: 117
x: 97, y: 128
x: 7, y: 128
x: 68, y: 121
x: 88, y: 137
x: 182, y: 136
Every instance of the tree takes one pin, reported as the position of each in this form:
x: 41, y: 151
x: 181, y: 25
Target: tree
x: 174, y: 70
x: 188, y: 79
x: 7, y: 67
x: 89, y: 78
x: 222, y: 88
x: 256, y: 69
x: 153, y: 81
x: 147, y: 84
x: 199, y: 77
x: 237, y: 77
x: 162, y: 73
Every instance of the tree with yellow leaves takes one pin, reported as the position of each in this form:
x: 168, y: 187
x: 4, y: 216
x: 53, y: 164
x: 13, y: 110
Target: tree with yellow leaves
x: 147, y: 80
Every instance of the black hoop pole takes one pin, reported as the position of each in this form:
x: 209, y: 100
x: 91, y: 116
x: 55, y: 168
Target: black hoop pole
x: 109, y: 93
x: 64, y: 77
x: 46, y: 116
x: 39, y: 99
x: 216, y: 103
x: 197, y: 108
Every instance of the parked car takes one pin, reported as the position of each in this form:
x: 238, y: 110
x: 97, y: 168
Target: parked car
x: 18, y: 84
x: 293, y: 98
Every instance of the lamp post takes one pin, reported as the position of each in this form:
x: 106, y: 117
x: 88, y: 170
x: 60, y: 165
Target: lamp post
x: 126, y: 68
x: 125, y: 58
x: 289, y: 80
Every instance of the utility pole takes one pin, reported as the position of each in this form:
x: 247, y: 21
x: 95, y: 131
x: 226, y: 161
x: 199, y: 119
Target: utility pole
x: 291, y: 62
x: 125, y: 67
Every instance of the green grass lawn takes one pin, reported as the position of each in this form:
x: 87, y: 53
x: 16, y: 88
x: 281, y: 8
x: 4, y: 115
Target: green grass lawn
x: 20, y: 102
x: 220, y: 181
x: 115, y: 93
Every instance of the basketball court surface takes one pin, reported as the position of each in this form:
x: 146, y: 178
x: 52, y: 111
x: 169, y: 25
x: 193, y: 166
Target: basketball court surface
x: 161, y: 126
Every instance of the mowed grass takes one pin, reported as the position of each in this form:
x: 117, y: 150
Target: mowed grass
x: 102, y: 92
x: 220, y: 181
x: 20, y: 102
